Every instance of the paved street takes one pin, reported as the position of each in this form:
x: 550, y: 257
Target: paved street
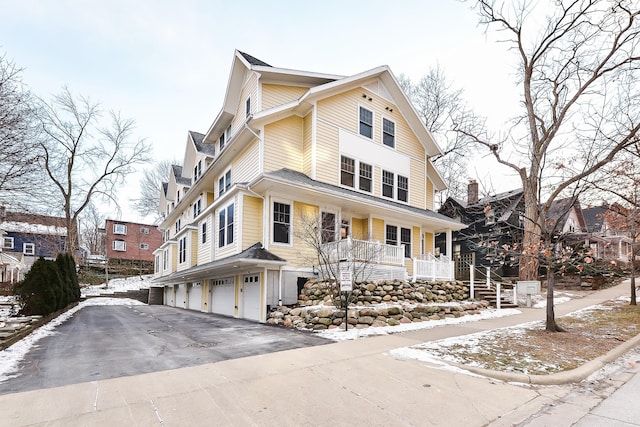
x: 101, y: 342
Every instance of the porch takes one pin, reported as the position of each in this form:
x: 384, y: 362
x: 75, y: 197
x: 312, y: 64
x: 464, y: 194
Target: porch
x: 387, y: 261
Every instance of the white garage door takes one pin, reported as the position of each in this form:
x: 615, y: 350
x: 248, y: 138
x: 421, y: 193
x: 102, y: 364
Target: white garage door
x: 168, y: 296
x: 181, y: 295
x: 251, y: 302
x: 195, y: 297
x: 223, y: 297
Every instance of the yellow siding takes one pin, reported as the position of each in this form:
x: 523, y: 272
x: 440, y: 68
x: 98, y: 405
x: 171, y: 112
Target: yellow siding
x: 342, y: 110
x: 377, y: 234
x: 251, y: 221
x: 415, y: 242
x: 250, y: 88
x: 301, y: 253
x: 204, y: 249
x: 274, y: 95
x: 246, y: 166
x: 307, y: 144
x: 283, y: 145
x: 417, y: 184
x: 173, y: 253
x: 194, y: 248
x: 327, y: 155
x: 360, y: 228
x: 209, y: 198
x: 428, y: 243
x: 429, y: 195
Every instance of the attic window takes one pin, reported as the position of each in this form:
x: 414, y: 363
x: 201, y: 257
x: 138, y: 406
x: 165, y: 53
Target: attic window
x: 7, y: 242
x: 490, y: 215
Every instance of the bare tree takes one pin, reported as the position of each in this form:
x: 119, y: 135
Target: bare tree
x: 92, y: 223
x: 148, y: 204
x: 333, y: 254
x: 17, y: 130
x: 83, y: 158
x: 440, y: 106
x: 578, y: 76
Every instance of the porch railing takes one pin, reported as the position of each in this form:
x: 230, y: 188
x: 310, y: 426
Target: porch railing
x: 433, y: 268
x: 364, y: 251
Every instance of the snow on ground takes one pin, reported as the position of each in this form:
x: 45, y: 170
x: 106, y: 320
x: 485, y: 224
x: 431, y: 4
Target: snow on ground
x: 353, y: 333
x: 10, y: 357
x: 118, y: 285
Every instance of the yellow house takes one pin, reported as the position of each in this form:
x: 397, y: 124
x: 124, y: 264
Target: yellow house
x: 298, y: 163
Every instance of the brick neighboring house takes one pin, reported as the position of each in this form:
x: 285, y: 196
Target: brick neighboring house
x: 130, y: 245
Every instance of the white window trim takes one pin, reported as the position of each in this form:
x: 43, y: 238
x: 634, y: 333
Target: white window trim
x: 32, y: 247
x: 144, y: 246
x: 120, y: 229
x: 225, y: 208
x: 8, y: 242
x: 144, y: 230
x: 395, y: 140
x: 356, y: 174
x: 272, y: 219
x: 373, y: 122
x: 116, y: 244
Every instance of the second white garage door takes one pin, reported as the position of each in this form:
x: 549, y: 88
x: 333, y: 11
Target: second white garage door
x: 223, y: 297
x: 195, y: 297
x: 251, y: 301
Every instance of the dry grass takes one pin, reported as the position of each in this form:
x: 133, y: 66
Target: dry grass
x: 532, y: 350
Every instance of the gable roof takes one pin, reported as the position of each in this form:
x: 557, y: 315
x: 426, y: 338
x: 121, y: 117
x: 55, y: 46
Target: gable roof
x: 201, y: 146
x: 177, y: 173
x: 253, y: 60
x: 560, y: 210
x: 594, y: 218
x: 28, y: 223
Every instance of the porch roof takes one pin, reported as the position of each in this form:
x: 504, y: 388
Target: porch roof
x: 287, y: 177
x: 252, y: 257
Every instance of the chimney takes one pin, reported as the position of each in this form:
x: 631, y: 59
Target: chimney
x: 472, y: 192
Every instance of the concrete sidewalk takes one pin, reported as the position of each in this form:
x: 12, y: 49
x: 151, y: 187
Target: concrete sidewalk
x: 352, y: 382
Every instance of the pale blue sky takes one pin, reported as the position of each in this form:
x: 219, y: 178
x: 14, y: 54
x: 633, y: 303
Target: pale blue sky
x: 166, y: 63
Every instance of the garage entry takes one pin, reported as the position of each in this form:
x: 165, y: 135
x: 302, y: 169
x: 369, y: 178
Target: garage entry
x: 223, y: 296
x: 168, y: 296
x: 251, y: 301
x: 195, y: 296
x: 181, y: 295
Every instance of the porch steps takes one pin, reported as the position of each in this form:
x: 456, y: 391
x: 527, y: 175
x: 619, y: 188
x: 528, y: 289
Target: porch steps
x: 490, y: 296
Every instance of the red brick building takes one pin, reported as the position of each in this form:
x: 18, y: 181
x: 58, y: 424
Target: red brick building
x: 131, y: 244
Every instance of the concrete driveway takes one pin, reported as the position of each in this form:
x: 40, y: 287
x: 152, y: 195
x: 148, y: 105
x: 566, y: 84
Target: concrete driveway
x: 101, y: 342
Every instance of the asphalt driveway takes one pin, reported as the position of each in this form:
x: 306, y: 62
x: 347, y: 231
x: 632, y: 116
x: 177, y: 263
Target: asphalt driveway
x: 100, y: 342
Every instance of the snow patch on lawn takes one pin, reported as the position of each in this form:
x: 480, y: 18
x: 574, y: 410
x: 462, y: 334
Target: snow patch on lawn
x: 118, y: 285
x: 10, y: 357
x: 339, y: 334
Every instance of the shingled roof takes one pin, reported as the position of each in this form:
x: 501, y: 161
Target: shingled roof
x: 202, y: 147
x: 253, y: 60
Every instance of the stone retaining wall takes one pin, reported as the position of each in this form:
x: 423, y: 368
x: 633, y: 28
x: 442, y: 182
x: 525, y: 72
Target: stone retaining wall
x: 377, y: 303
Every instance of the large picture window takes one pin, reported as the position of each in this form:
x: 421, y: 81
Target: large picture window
x: 281, y: 222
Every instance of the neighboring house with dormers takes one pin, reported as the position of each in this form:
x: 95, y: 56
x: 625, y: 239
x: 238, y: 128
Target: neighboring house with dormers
x: 349, y: 151
x: 27, y: 237
x: 130, y: 245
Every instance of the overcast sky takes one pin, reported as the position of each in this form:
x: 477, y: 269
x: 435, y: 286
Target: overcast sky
x: 166, y: 63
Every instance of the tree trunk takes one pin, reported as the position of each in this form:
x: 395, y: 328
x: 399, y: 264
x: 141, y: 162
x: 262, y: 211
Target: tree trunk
x: 633, y: 275
x: 551, y: 325
x: 529, y: 262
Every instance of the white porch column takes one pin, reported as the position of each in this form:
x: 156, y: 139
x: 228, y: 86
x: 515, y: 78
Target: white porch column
x: 449, y: 245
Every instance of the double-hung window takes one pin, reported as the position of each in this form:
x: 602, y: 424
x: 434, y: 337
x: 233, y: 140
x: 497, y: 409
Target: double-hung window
x: 388, y: 184
x: 119, y: 229
x: 29, y: 248
x: 144, y: 246
x: 7, y: 242
x: 347, y: 171
x: 197, y: 208
x: 119, y: 245
x: 403, y: 188
x: 366, y: 122
x: 391, y: 235
x: 224, y: 183
x: 405, y: 239
x: 366, y: 177
x: 247, y: 111
x: 281, y: 223
x: 165, y: 259
x: 222, y: 141
x: 225, y: 226
x: 388, y: 133
x: 204, y: 232
x: 182, y: 250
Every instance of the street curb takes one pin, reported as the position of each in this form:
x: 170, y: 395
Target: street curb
x: 573, y: 376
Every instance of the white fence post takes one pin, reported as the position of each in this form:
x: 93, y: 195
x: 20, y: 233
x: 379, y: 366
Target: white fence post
x: 498, y: 296
x: 488, y: 277
x: 471, y: 281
